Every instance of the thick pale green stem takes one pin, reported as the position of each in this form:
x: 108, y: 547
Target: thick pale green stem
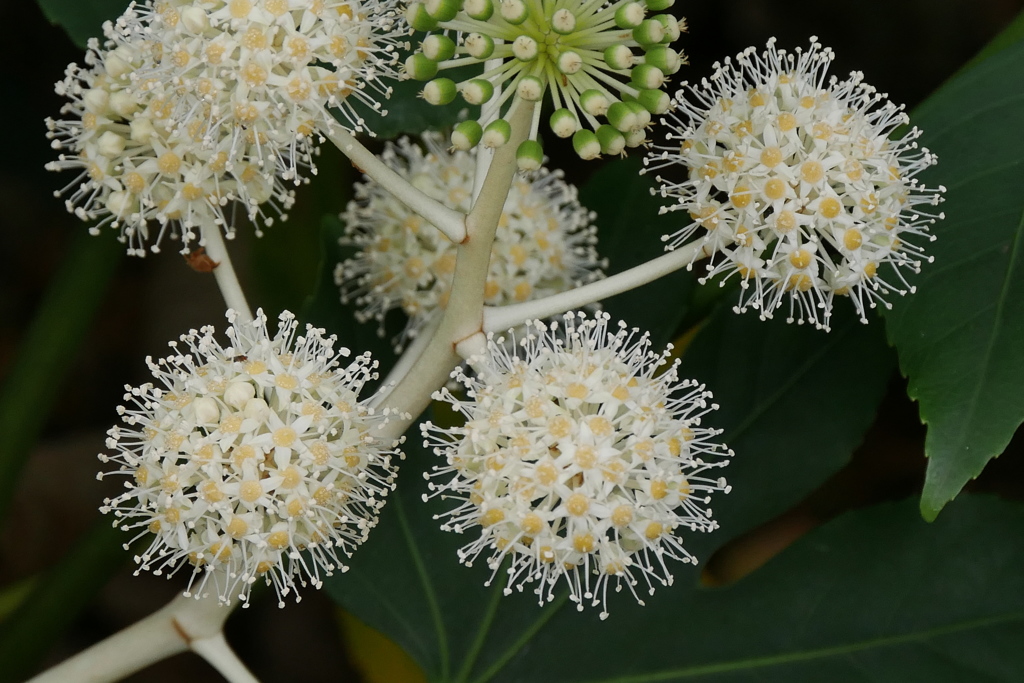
x: 177, y: 627
x: 504, y: 318
x: 448, y: 221
x: 464, y: 315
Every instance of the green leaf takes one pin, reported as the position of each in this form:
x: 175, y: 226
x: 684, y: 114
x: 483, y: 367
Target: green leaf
x: 82, y: 19
x: 48, y: 349
x: 629, y: 233
x: 959, y: 337
x: 794, y: 403
x: 874, y: 595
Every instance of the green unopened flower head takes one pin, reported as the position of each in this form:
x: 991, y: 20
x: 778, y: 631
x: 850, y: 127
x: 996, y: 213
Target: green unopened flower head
x: 602, y: 64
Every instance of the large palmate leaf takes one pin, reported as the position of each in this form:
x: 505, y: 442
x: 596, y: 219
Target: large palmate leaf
x: 794, y: 403
x: 960, y: 336
x: 874, y: 595
x: 629, y: 233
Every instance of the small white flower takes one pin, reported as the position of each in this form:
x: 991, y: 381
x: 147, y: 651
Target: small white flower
x: 544, y: 242
x: 602, y: 64
x: 793, y: 183
x: 581, y: 458
x: 256, y: 459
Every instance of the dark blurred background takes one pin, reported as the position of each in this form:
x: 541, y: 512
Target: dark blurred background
x: 905, y: 47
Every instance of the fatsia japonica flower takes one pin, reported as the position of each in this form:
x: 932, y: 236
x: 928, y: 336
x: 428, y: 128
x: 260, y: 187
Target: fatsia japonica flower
x: 582, y: 457
x: 544, y: 244
x: 193, y: 112
x: 254, y: 460
x: 601, y: 64
x: 792, y: 182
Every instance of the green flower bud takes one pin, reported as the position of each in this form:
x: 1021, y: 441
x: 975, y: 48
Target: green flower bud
x: 629, y: 15
x: 477, y: 91
x: 647, y: 77
x: 418, y: 17
x: 440, y: 91
x: 563, y: 22
x: 643, y: 117
x: 671, y: 26
x: 530, y: 88
x: 467, y: 135
x: 481, y: 10
x: 526, y: 49
x: 649, y: 32
x: 496, y: 133
x: 420, y: 68
x: 442, y: 10
x: 655, y: 101
x: 514, y: 12
x: 635, y: 138
x: 622, y: 117
x: 618, y: 57
x: 665, y: 58
x: 570, y: 62
x: 529, y: 156
x: 612, y: 141
x: 479, y: 46
x: 594, y: 102
x: 437, y: 47
x: 586, y: 144
x: 563, y: 123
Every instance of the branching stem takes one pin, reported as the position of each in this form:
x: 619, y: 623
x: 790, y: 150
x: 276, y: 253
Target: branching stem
x: 450, y: 222
x: 224, y: 273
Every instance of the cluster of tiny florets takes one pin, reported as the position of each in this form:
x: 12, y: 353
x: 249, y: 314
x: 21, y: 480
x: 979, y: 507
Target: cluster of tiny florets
x: 602, y: 64
x: 544, y: 244
x: 252, y: 460
x: 581, y: 457
x: 793, y: 183
x: 193, y: 112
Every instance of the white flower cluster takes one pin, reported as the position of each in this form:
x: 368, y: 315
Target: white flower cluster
x: 603, y: 65
x: 253, y: 460
x: 581, y: 457
x: 195, y: 110
x: 545, y: 241
x: 793, y: 183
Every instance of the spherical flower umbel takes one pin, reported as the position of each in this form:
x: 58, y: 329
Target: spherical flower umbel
x: 545, y: 241
x: 581, y: 458
x: 792, y: 182
x: 267, y: 68
x: 255, y: 460
x: 602, y: 64
x: 142, y: 175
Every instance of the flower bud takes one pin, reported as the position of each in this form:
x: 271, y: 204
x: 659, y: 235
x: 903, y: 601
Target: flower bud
x: 529, y: 156
x: 417, y: 16
x: 442, y: 10
x: 649, y: 32
x: 665, y: 58
x: 514, y: 12
x: 194, y: 19
x: 467, y: 135
x: 586, y: 144
x: 440, y: 91
x: 481, y: 10
x: 622, y: 117
x: 618, y: 56
x: 477, y: 91
x: 238, y: 394
x: 437, y: 47
x: 563, y: 22
x: 594, y: 102
x: 629, y: 15
x: 479, y: 46
x: 206, y: 410
x: 563, y: 123
x: 496, y: 133
x: 612, y: 141
x: 420, y: 68
x: 530, y: 88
